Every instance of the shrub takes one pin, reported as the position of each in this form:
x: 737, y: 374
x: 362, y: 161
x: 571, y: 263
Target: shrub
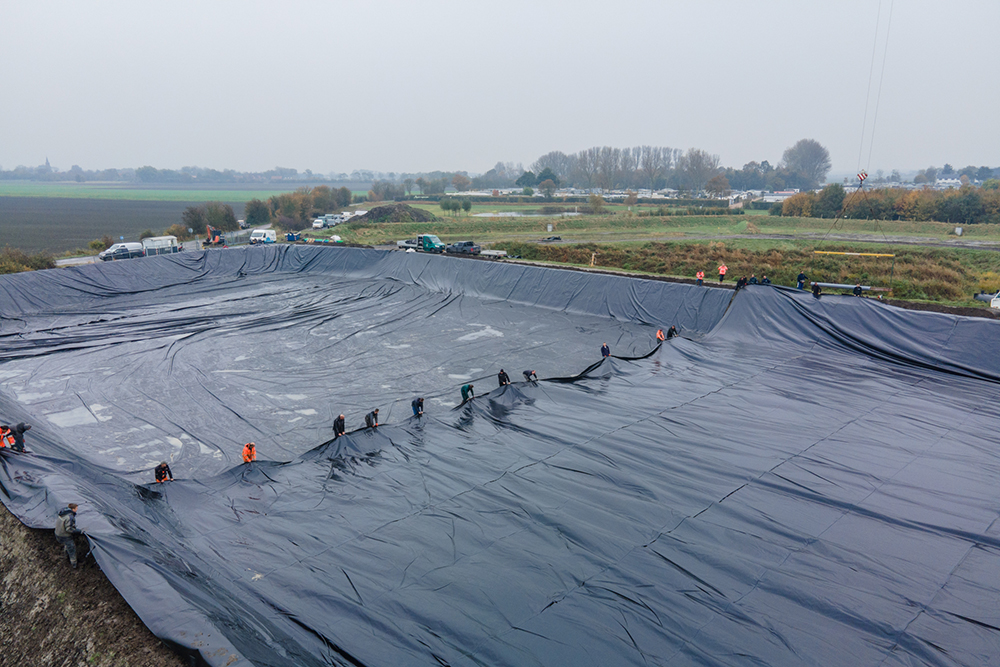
x: 180, y: 231
x: 147, y: 234
x: 101, y: 244
x: 14, y: 260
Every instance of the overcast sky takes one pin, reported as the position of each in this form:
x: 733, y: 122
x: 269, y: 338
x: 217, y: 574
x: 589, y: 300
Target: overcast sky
x: 416, y: 86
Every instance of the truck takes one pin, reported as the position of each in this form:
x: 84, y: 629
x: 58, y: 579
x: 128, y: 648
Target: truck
x: 122, y: 251
x: 160, y: 245
x: 463, y: 248
x: 429, y: 243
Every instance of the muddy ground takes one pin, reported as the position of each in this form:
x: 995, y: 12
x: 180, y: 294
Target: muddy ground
x: 54, y: 615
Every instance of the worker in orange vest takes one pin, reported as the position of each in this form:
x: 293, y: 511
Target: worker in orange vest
x: 701, y: 278
x: 6, y: 437
x: 249, y: 452
x: 659, y: 335
x: 722, y: 271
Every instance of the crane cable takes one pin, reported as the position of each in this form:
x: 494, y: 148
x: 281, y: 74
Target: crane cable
x: 862, y: 174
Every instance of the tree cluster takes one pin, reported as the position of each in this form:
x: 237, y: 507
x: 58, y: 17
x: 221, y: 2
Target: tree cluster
x: 964, y: 206
x: 456, y: 205
x: 213, y: 213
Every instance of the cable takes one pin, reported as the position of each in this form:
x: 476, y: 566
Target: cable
x: 868, y: 93
x: 881, y: 78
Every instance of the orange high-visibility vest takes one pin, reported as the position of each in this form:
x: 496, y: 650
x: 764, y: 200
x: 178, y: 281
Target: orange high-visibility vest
x: 700, y: 275
x: 249, y: 453
x: 659, y: 334
x: 6, y: 438
x: 723, y: 269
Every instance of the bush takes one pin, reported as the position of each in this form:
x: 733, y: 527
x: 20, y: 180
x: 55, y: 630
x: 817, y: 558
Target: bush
x: 14, y: 260
x: 101, y: 243
x: 147, y: 234
x: 180, y: 231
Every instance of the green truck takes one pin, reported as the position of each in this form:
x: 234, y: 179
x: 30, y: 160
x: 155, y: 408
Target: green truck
x: 429, y: 243
x: 423, y: 243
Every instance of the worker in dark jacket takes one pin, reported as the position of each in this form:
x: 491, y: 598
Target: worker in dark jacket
x: 371, y: 419
x: 418, y: 407
x: 857, y: 290
x: 765, y: 280
x: 605, y: 350
x: 467, y: 392
x: 338, y: 426
x: 753, y: 279
x: 66, y: 530
x: 529, y: 376
x: 801, y: 278
x: 671, y: 332
x: 162, y: 472
x: 503, y: 378
x: 817, y: 291
x: 18, y: 433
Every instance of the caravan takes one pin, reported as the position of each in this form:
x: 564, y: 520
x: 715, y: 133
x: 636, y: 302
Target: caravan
x: 160, y: 245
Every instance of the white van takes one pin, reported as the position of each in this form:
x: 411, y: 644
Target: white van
x: 122, y: 251
x: 263, y: 236
x: 160, y: 245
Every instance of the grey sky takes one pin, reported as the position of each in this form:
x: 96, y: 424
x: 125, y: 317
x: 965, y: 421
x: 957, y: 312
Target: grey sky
x: 413, y: 86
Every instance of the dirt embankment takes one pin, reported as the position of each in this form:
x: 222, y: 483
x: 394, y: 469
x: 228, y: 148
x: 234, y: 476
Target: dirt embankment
x: 396, y: 213
x: 54, y: 615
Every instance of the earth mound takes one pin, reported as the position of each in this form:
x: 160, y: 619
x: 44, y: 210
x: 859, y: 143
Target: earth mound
x: 397, y: 213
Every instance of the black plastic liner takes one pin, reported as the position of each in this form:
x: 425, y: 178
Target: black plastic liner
x: 792, y: 482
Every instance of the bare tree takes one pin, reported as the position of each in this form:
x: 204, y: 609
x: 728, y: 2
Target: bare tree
x: 586, y: 164
x: 560, y: 164
x: 698, y: 167
x: 609, y: 162
x: 652, y: 163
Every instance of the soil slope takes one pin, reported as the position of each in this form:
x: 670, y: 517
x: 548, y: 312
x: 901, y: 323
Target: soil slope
x: 54, y: 615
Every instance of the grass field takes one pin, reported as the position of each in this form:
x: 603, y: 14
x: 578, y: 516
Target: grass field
x: 679, y: 246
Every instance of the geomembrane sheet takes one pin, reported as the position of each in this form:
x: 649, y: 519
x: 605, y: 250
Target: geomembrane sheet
x: 792, y: 481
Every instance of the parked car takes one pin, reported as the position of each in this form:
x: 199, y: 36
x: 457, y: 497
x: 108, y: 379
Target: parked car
x: 263, y: 236
x: 550, y: 239
x: 122, y: 251
x: 463, y: 247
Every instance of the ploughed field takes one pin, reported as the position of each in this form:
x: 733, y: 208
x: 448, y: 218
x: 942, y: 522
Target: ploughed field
x: 56, y: 225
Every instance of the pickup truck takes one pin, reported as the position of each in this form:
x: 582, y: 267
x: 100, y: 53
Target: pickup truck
x: 463, y: 247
